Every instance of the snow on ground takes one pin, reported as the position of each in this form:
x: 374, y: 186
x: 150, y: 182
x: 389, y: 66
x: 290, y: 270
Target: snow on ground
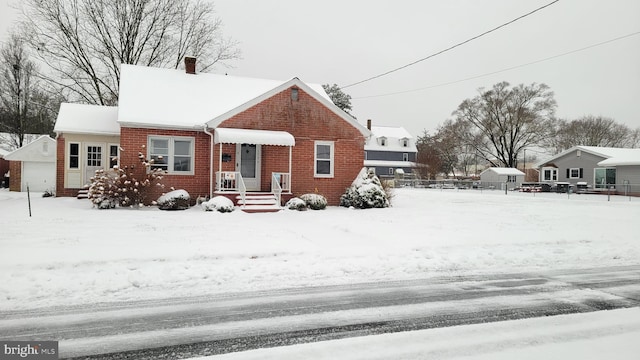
x: 69, y: 253
x: 593, y: 336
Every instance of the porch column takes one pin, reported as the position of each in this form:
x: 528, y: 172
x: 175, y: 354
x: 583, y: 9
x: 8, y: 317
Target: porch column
x: 219, y: 167
x: 290, y: 174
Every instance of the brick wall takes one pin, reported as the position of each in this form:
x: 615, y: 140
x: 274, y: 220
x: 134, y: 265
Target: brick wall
x: 134, y: 141
x: 15, y: 181
x: 307, y: 120
x: 60, y: 157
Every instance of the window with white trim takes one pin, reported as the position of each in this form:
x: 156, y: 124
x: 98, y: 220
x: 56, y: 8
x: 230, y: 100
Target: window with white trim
x: 383, y: 141
x: 405, y: 156
x: 323, y: 159
x: 405, y: 142
x: 575, y: 173
x: 172, y: 154
x: 511, y: 178
x: 74, y: 155
x: 549, y: 174
x: 390, y: 171
x: 114, y: 155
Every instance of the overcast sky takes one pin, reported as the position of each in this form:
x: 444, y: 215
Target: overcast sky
x: 343, y: 42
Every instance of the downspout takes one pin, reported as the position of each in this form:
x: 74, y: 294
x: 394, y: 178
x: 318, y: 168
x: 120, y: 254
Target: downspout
x: 210, y: 161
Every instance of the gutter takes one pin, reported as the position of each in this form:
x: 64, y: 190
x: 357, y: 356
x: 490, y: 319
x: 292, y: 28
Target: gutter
x: 204, y: 128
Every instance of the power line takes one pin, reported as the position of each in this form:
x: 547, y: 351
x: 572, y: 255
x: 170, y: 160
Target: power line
x: 452, y: 47
x: 502, y: 70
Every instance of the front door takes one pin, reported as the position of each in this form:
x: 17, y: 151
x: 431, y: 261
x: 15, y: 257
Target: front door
x: 94, y: 160
x: 248, y: 158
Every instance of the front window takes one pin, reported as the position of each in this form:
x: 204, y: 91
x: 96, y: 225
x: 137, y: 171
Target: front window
x: 74, y: 156
x: 171, y: 154
x: 549, y: 174
x: 405, y: 156
x: 113, y: 155
x: 575, y: 173
x: 604, y: 178
x: 511, y: 178
x: 323, y: 159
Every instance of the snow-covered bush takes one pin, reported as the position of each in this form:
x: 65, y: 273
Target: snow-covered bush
x: 174, y: 200
x: 296, y: 204
x: 365, y: 192
x: 219, y: 203
x: 120, y: 186
x: 314, y: 201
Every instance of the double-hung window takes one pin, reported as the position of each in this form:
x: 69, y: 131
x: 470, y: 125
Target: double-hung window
x: 549, y: 174
x: 172, y: 154
x: 323, y: 159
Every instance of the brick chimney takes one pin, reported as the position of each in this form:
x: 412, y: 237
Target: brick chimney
x: 369, y: 124
x: 190, y: 65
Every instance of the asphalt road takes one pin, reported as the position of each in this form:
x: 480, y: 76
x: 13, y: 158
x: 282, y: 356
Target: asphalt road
x: 188, y: 327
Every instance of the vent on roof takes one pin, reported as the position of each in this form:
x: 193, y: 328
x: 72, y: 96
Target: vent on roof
x: 190, y: 65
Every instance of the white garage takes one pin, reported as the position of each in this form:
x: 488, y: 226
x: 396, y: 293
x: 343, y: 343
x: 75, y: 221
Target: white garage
x: 37, y: 166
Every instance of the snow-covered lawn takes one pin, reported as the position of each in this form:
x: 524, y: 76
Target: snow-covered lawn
x: 68, y: 253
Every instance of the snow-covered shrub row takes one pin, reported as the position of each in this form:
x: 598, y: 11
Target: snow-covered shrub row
x: 122, y: 187
x: 174, y: 200
x: 314, y: 201
x: 219, y: 203
x: 365, y: 192
x: 296, y: 204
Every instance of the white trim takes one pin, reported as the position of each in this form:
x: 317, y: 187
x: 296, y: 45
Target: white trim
x: 554, y: 170
x: 67, y: 159
x: 571, y: 173
x: 331, y: 159
x: 172, y: 154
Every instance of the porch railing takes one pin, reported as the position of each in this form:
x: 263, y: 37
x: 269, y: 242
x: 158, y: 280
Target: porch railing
x: 231, y: 181
x: 276, y: 188
x: 283, y: 180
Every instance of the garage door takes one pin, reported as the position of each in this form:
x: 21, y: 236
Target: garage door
x: 40, y: 176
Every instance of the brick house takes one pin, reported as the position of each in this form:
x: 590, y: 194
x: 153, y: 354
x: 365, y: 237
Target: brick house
x: 216, y: 134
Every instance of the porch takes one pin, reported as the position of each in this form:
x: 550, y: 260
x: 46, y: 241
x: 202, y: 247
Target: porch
x: 250, y: 166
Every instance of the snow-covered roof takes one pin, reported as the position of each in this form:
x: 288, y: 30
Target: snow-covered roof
x: 3, y: 152
x: 389, y: 163
x: 87, y: 119
x: 169, y: 98
x: 622, y: 157
x: 245, y: 136
x: 394, y: 136
x: 504, y: 171
x: 42, y: 149
x: 613, y: 156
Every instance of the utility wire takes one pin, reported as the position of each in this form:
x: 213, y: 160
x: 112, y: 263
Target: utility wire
x: 452, y: 47
x: 502, y: 70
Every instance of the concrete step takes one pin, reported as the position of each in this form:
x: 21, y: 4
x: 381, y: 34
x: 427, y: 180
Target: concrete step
x: 83, y: 194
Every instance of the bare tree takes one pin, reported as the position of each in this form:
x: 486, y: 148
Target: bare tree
x: 24, y: 107
x: 83, y: 42
x: 591, y: 131
x: 428, y: 160
x: 503, y: 120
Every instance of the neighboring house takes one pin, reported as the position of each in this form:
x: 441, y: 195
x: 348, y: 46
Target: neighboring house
x: 498, y: 177
x: 598, y: 168
x: 217, y: 134
x: 33, y: 166
x: 390, y: 151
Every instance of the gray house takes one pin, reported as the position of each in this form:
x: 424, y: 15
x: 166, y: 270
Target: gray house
x: 498, y: 178
x: 391, y: 151
x: 597, y: 168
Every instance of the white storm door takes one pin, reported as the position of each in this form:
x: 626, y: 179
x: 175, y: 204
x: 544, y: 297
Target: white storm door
x: 94, y: 160
x: 248, y: 158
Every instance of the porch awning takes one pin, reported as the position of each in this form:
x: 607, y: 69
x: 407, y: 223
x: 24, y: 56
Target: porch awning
x: 246, y: 136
